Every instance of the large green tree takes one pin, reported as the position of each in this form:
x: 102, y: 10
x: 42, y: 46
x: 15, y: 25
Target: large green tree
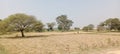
x: 21, y: 21
x: 112, y: 24
x: 64, y: 23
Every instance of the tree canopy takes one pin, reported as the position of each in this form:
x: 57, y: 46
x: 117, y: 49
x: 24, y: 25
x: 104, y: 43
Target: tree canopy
x: 112, y: 24
x: 64, y: 23
x: 50, y: 26
x: 21, y: 21
x: 88, y: 27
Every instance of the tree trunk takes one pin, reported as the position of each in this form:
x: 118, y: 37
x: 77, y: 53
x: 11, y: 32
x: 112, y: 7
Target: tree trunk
x: 22, y: 33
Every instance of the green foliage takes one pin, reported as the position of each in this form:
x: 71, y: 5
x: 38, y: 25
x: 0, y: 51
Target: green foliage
x: 90, y: 27
x: 4, y: 28
x: 1, y: 27
x: 85, y: 28
x: 64, y: 24
x: 60, y: 27
x: 112, y: 24
x: 20, y: 22
x: 38, y: 26
x: 101, y: 28
x: 50, y: 26
x: 76, y: 28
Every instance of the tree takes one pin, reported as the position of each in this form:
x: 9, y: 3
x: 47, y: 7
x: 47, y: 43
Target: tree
x: 85, y: 28
x: 101, y: 28
x: 38, y: 26
x: 112, y: 23
x: 64, y: 24
x: 76, y: 28
x: 88, y: 27
x: 50, y: 26
x: 21, y: 22
x: 4, y: 27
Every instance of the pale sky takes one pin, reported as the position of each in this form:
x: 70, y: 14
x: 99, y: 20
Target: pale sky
x: 82, y: 12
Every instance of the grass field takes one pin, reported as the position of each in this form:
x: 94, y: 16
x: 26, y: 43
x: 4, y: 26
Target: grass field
x: 61, y: 43
x: 2, y: 50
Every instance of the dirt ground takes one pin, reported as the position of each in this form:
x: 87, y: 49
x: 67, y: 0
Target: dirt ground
x: 114, y: 52
x: 61, y: 43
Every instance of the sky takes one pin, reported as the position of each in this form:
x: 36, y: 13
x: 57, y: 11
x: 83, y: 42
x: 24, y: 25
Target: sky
x: 81, y: 12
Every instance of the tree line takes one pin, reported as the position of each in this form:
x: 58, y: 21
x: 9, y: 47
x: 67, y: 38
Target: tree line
x: 21, y: 22
x: 111, y: 24
x: 28, y: 23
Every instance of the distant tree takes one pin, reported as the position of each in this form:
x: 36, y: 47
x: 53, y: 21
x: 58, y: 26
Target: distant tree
x: 21, y: 22
x: 4, y: 28
x: 50, y: 26
x: 85, y: 28
x: 90, y: 27
x: 60, y: 27
x: 102, y: 24
x: 112, y: 24
x: 76, y: 28
x: 38, y: 26
x: 101, y: 28
x: 64, y: 24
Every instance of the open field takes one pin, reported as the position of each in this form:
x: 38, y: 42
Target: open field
x: 61, y: 43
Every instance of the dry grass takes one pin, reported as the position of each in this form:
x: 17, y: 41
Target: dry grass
x: 60, y: 43
x: 2, y: 50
